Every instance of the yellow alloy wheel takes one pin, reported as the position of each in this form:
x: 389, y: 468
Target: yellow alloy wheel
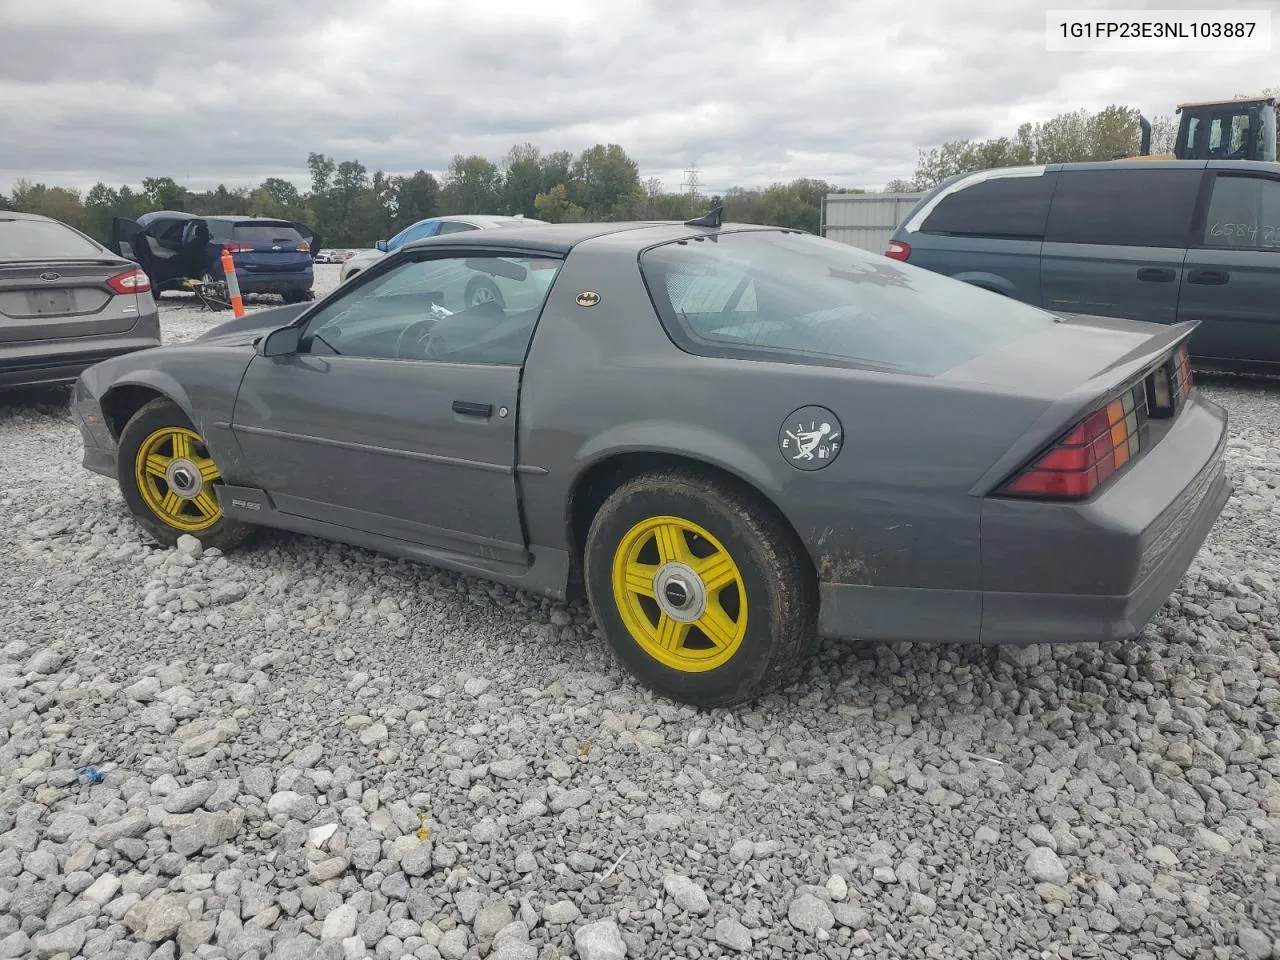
x: 680, y: 594
x: 173, y: 471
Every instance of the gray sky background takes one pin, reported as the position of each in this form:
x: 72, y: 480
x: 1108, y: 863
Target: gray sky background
x: 751, y: 91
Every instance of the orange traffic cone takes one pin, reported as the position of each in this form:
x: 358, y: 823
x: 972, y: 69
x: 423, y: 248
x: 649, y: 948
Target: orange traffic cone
x: 233, y: 284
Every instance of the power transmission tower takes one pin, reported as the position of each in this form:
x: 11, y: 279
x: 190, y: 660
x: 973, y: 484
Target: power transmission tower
x: 691, y: 180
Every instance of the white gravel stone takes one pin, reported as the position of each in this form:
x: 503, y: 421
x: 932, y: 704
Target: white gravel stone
x: 601, y: 940
x: 276, y: 726
x: 688, y: 895
x: 1043, y: 866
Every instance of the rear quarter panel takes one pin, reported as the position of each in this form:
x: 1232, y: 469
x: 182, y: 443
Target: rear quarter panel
x: 893, y: 509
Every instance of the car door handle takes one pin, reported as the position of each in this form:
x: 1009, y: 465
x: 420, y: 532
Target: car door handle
x: 1208, y: 276
x: 469, y: 409
x: 1156, y: 275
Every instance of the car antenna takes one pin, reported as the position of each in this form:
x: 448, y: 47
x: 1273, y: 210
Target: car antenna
x: 713, y: 219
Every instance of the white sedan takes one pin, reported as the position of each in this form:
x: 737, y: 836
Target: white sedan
x: 431, y: 227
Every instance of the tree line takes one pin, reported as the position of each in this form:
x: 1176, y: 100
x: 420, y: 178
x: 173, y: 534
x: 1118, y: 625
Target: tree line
x: 351, y: 207
x: 1073, y: 137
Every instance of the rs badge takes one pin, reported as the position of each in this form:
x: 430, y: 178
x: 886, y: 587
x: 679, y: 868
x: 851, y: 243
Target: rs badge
x: 810, y: 438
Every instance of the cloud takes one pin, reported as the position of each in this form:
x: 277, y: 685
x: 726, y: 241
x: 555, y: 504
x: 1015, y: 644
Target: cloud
x: 751, y: 91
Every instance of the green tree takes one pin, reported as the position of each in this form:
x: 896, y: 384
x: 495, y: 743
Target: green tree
x: 417, y: 197
x: 59, y: 203
x: 472, y: 185
x: 522, y: 180
x: 606, y: 182
x: 322, y: 170
x: 554, y: 206
x: 164, y: 193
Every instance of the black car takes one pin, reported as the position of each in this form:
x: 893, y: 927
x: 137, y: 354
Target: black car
x: 271, y: 256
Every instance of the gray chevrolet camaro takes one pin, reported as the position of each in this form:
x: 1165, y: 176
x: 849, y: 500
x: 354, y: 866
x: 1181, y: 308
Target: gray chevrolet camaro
x: 731, y: 438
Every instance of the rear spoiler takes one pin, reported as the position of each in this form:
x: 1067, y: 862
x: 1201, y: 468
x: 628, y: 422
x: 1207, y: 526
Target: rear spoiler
x: 1078, y: 403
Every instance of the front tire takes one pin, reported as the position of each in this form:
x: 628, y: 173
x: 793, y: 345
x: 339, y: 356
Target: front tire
x: 167, y: 477
x: 701, y: 590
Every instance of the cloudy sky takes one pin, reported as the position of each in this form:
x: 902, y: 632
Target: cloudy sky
x: 749, y: 91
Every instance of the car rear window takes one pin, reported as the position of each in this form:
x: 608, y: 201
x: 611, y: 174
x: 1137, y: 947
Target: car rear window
x: 265, y: 233
x: 772, y: 295
x: 43, y: 240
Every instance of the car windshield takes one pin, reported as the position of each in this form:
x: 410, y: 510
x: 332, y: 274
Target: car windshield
x: 772, y: 295
x: 44, y: 240
x: 266, y: 233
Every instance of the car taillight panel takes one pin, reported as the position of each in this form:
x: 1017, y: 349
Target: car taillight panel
x: 131, y: 281
x: 897, y: 250
x: 238, y: 248
x: 1089, y: 454
x: 303, y: 247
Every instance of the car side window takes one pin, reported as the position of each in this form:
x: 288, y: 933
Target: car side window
x: 1244, y: 213
x: 410, y: 234
x: 475, y: 309
x: 1012, y: 207
x: 453, y: 226
x: 1130, y: 207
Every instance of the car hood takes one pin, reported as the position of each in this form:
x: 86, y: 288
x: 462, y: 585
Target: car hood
x: 247, y: 329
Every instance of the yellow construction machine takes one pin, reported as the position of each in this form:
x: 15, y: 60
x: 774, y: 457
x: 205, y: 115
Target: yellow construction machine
x: 1239, y: 129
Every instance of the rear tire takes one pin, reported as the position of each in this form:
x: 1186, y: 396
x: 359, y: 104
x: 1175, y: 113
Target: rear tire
x: 721, y: 560
x: 167, y: 478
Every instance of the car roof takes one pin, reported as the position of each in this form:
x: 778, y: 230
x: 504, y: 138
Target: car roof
x: 17, y: 215
x: 563, y: 237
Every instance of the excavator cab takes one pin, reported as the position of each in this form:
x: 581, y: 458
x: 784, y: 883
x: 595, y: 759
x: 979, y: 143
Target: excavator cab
x: 1227, y: 130
x: 1243, y: 129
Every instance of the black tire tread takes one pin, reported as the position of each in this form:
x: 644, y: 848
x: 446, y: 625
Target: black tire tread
x: 796, y: 584
x: 226, y: 534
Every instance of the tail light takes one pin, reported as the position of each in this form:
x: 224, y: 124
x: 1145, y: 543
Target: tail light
x: 1182, y: 371
x: 897, y: 250
x: 131, y: 281
x: 1090, y: 452
x: 238, y: 247
x: 303, y: 247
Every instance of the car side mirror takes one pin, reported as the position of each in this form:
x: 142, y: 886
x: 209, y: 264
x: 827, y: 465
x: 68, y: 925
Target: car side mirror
x: 280, y: 342
x: 381, y: 245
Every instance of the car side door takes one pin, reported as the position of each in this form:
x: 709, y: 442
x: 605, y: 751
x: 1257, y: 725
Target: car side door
x: 1116, y: 239
x: 1232, y: 283
x: 396, y: 415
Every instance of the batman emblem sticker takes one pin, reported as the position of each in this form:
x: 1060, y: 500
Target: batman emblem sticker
x: 588, y: 298
x: 811, y: 438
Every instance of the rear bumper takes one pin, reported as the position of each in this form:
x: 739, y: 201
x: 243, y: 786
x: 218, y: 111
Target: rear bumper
x: 1066, y: 573
x: 61, y: 361
x: 262, y: 282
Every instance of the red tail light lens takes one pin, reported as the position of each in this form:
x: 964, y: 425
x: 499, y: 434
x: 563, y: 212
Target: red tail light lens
x: 238, y: 248
x: 897, y: 250
x: 1088, y: 455
x: 131, y: 281
x: 1182, y: 370
x: 303, y: 247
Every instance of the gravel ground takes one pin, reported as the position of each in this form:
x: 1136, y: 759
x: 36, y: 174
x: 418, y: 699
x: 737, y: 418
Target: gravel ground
x: 307, y: 750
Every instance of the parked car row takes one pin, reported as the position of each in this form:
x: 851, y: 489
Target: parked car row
x: 1164, y: 241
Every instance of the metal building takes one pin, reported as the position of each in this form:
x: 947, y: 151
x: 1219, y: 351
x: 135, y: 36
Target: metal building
x: 865, y: 220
